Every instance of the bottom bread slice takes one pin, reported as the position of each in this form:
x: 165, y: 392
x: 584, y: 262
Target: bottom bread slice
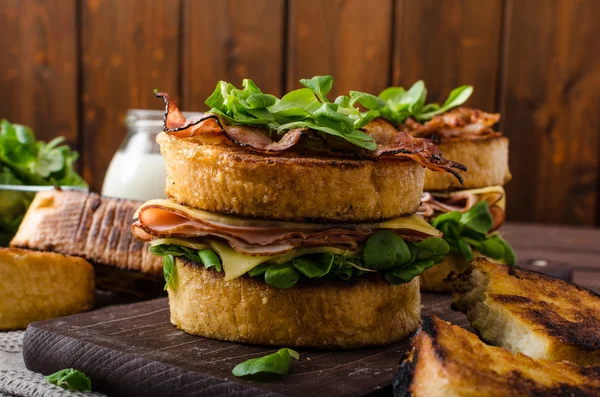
x: 42, y: 285
x: 366, y: 311
x: 447, y: 360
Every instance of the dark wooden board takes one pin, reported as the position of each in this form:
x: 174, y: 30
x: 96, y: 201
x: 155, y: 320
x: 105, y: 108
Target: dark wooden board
x: 133, y: 350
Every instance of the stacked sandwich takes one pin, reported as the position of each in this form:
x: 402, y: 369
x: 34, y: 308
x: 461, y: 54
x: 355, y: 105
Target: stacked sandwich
x: 291, y: 220
x: 470, y: 211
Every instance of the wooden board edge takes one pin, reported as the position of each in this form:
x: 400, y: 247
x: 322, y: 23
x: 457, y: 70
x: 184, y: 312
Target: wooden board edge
x: 119, y: 373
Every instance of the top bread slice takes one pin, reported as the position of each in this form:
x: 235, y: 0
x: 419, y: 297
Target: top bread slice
x: 447, y: 360
x: 292, y: 187
x: 529, y: 312
x: 486, y: 159
x: 95, y: 228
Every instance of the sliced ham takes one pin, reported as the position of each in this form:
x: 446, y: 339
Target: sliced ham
x: 255, y: 237
x: 433, y: 205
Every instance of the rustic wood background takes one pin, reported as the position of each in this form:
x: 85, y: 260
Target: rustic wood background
x: 73, y: 68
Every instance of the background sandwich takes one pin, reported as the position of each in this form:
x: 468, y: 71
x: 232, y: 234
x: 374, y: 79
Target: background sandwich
x: 291, y: 220
x: 470, y: 211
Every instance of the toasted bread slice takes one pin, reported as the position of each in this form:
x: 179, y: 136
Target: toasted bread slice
x: 530, y: 313
x: 97, y: 229
x: 232, y: 180
x: 38, y: 286
x: 486, y: 160
x: 447, y: 360
x: 323, y: 313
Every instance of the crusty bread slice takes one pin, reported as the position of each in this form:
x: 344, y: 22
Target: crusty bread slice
x: 530, y: 312
x: 95, y: 228
x: 449, y: 361
x: 486, y: 160
x: 366, y: 311
x: 38, y: 286
x: 232, y: 180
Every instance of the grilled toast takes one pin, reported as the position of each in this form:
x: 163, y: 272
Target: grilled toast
x: 38, y: 286
x: 447, y: 360
x: 232, y: 180
x: 95, y: 228
x: 486, y: 160
x: 530, y: 312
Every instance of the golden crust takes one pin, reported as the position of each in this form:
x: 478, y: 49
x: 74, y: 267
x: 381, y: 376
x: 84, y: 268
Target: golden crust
x: 432, y: 279
x: 318, y: 313
x: 447, y: 360
x: 530, y: 312
x: 38, y: 286
x: 486, y: 160
x: 229, y: 179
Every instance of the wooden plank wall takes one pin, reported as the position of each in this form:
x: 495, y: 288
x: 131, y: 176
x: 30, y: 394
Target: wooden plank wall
x: 73, y: 68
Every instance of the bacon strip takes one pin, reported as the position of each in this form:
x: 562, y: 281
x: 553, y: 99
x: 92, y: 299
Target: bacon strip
x: 460, y: 122
x: 266, y: 238
x: 432, y: 205
x: 390, y: 141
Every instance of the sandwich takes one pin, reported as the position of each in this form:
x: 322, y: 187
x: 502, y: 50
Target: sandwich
x: 291, y: 221
x: 37, y: 286
x: 467, y: 136
x: 530, y: 313
x: 447, y: 360
x: 97, y: 229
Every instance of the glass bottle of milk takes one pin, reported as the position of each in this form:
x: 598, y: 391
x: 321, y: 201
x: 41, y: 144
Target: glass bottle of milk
x: 137, y: 170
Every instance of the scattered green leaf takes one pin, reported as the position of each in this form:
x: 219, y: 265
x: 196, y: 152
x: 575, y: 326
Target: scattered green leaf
x: 70, y: 379
x: 270, y: 367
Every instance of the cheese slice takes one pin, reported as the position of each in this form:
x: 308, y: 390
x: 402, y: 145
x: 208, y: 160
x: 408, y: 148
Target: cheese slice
x: 236, y: 264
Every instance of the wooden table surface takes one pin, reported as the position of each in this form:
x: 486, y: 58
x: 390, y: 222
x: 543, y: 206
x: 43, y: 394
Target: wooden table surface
x: 133, y: 350
x: 578, y: 247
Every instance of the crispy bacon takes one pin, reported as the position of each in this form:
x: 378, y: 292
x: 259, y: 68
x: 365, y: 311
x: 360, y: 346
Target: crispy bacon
x: 433, y: 205
x: 390, y: 141
x: 460, y: 122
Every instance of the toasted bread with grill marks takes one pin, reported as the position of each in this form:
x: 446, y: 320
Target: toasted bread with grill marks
x: 97, y: 229
x: 290, y: 186
x: 447, y: 360
x: 486, y: 160
x: 529, y: 312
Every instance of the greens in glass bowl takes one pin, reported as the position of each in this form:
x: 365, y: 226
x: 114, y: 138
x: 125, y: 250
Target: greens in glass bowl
x: 26, y: 161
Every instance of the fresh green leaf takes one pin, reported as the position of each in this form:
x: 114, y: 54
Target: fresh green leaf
x: 269, y: 367
x: 448, y: 217
x: 431, y: 247
x: 169, y: 271
x: 405, y: 274
x: 465, y: 250
x: 320, y: 85
x: 210, y: 259
x: 70, y: 379
x: 315, y: 265
x: 282, y: 275
x: 457, y: 97
x: 258, y: 270
x: 510, y: 258
x: 478, y: 218
x: 384, y: 250
x: 369, y: 101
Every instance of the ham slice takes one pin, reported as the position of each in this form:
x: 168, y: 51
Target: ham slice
x: 433, y: 205
x: 390, y: 141
x: 255, y: 237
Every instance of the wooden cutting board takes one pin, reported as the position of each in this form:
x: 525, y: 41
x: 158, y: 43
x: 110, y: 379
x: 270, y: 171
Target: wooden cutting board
x: 133, y: 350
